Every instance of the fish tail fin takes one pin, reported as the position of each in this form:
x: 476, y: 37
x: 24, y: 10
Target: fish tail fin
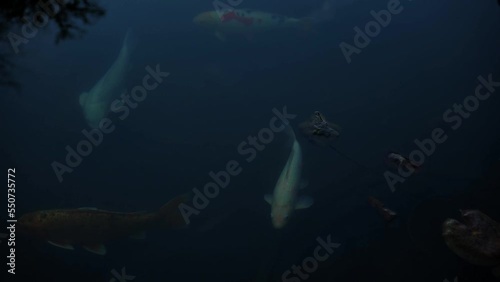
x: 290, y: 132
x: 171, y: 215
x: 292, y: 142
x: 129, y: 44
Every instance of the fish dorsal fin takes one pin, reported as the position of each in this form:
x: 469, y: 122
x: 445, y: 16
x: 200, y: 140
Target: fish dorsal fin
x: 99, y: 249
x: 304, y: 203
x: 139, y: 236
x: 63, y: 245
x: 89, y: 208
x: 83, y: 98
x: 268, y: 198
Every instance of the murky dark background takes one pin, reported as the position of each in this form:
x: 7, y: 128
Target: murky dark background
x: 395, y: 91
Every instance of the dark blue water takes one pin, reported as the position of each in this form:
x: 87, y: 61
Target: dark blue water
x: 218, y: 93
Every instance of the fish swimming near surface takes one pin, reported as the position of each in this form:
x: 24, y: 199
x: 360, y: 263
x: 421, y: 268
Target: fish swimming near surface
x: 400, y: 161
x: 320, y: 131
x: 90, y: 227
x: 386, y: 213
x: 247, y: 22
x: 284, y: 199
x: 96, y: 102
x: 477, y: 240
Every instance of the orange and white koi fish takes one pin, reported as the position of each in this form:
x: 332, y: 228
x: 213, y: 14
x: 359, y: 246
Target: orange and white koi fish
x: 246, y: 22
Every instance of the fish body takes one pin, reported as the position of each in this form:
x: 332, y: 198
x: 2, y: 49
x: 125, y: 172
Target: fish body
x: 284, y: 199
x: 96, y: 102
x: 386, y: 213
x: 91, y: 227
x: 400, y: 161
x: 246, y: 22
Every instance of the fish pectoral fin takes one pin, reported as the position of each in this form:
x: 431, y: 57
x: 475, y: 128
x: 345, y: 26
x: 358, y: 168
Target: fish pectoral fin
x: 268, y: 198
x: 139, y: 236
x: 221, y: 36
x: 304, y: 203
x: 99, y: 249
x: 63, y: 245
x: 496, y: 272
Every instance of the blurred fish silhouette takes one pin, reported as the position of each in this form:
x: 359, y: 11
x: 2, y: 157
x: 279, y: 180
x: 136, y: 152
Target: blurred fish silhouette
x: 284, y: 199
x: 247, y: 22
x: 96, y: 102
x: 91, y: 227
x: 400, y: 161
x: 386, y: 213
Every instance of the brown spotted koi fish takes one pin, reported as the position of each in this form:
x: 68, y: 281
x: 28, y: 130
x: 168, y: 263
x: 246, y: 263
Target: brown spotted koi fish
x: 90, y: 227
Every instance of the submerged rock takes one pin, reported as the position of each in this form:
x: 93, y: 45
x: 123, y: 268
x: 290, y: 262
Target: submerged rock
x: 476, y: 240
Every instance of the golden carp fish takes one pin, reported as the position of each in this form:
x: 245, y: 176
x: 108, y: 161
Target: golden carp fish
x: 90, y: 227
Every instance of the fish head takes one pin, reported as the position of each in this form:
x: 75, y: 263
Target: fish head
x: 280, y: 216
x: 207, y: 19
x: 476, y: 239
x: 95, y: 113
